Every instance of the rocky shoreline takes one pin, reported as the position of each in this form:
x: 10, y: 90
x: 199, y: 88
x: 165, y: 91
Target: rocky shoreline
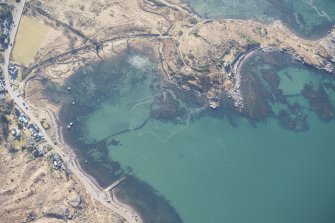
x: 197, y: 55
x: 224, y: 75
x: 205, y: 55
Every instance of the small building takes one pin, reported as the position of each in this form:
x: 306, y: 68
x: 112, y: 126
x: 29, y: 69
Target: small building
x: 5, y: 31
x: 23, y: 119
x: 30, y: 141
x: 16, y: 133
x: 38, y: 137
x: 6, y: 22
x: 33, y: 128
x: 37, y: 152
x: 2, y: 87
x: 13, y: 70
x: 17, y: 112
x: 57, y: 162
x: 37, y: 134
x: 5, y: 42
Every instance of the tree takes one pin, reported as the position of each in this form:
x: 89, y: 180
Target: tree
x: 20, y: 126
x: 4, y: 119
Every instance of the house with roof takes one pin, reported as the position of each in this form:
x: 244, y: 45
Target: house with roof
x: 23, y: 119
x: 4, y: 40
x: 16, y: 133
x: 37, y: 152
x: 37, y: 134
x: 2, y: 86
x: 17, y: 112
x: 5, y: 31
x: 34, y: 129
x: 13, y: 70
x: 6, y: 22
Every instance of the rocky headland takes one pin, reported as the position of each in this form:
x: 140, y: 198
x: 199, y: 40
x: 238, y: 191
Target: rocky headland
x: 196, y: 54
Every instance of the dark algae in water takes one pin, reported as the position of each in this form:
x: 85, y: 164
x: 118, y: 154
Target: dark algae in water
x: 147, y: 201
x: 269, y: 90
x: 128, y: 79
x: 319, y: 102
x: 187, y: 163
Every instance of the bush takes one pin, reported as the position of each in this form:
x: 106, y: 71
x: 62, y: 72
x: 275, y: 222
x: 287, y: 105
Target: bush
x: 4, y: 119
x: 5, y: 131
x: 193, y: 21
x: 20, y: 126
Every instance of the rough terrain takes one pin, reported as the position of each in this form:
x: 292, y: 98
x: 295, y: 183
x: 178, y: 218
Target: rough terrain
x: 197, y: 55
x: 31, y: 190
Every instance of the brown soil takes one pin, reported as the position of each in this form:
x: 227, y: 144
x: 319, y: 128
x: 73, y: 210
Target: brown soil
x: 31, y: 189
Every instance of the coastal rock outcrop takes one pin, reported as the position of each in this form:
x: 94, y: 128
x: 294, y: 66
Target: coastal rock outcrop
x: 198, y: 55
x: 207, y: 57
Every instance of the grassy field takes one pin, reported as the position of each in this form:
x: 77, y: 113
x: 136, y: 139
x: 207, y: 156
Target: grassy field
x: 30, y: 35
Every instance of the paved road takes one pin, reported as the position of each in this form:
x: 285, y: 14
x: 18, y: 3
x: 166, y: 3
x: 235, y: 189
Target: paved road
x: 12, y: 94
x: 69, y: 159
x: 16, y: 18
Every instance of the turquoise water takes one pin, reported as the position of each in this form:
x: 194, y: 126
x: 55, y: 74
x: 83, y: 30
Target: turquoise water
x: 212, y: 172
x: 189, y: 164
x: 308, y: 18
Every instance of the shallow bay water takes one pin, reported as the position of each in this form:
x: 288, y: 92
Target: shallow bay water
x: 307, y: 18
x: 186, y: 163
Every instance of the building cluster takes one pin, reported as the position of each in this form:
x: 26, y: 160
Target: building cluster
x: 16, y: 133
x: 57, y: 162
x: 6, y: 27
x: 13, y: 71
x: 36, y: 133
x: 21, y: 116
x: 37, y: 152
x: 2, y: 84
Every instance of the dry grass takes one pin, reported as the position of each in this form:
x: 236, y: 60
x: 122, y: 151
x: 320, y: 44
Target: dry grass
x: 29, y: 38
